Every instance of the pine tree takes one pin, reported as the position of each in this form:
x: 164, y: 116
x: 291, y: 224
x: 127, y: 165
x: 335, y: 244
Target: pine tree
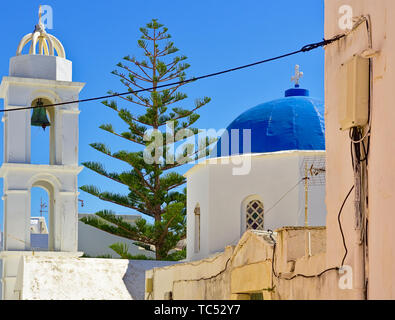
x: 155, y: 189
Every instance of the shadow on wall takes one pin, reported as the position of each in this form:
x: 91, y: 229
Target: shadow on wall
x: 134, y: 278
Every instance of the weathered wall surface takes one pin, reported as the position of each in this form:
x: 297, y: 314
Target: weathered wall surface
x: 183, y: 280
x: 247, y: 268
x: 380, y: 265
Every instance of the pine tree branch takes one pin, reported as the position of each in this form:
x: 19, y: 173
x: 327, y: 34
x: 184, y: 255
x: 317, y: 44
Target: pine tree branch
x: 133, y: 118
x: 127, y: 232
x: 108, y: 153
x: 122, y: 76
x: 196, y: 153
x: 166, y: 231
x: 129, y: 99
x: 102, y: 172
x: 145, y: 66
x: 104, y: 196
x: 144, y: 102
x: 134, y: 74
x: 103, y: 127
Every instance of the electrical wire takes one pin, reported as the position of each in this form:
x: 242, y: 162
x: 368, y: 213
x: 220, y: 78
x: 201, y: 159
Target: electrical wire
x: 340, y: 226
x: 305, y: 48
x: 284, y: 195
x: 326, y: 270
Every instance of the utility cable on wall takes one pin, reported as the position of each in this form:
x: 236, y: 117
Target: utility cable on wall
x: 326, y: 270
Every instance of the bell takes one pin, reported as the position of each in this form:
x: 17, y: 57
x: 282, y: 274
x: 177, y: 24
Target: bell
x: 39, y: 116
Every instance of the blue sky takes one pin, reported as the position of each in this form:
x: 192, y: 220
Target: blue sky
x: 214, y: 34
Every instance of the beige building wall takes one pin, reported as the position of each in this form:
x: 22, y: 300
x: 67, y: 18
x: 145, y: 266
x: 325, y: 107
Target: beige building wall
x: 246, y: 268
x: 380, y: 259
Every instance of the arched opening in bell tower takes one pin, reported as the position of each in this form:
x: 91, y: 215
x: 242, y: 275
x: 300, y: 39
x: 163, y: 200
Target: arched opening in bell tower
x: 41, y: 216
x: 42, y: 147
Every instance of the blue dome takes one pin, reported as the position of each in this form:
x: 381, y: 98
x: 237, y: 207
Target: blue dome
x: 295, y: 122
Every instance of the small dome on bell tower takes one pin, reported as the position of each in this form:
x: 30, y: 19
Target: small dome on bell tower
x: 47, y: 43
x: 46, y: 58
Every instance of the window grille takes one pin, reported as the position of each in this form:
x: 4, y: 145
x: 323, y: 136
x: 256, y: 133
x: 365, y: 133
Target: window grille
x: 254, y: 215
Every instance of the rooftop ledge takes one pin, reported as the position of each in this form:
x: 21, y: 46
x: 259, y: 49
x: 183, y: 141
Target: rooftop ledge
x: 6, y: 80
x: 48, y: 82
x: 46, y: 254
x: 7, y: 166
x: 227, y: 159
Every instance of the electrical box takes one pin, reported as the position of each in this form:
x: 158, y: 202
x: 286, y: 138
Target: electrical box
x: 354, y: 99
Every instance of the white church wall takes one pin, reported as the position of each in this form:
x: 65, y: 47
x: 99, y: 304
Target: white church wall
x: 198, y: 193
x: 316, y: 207
x: 316, y: 212
x: 271, y: 177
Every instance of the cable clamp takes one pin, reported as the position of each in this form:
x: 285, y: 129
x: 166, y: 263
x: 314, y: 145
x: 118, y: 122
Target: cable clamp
x: 325, y: 42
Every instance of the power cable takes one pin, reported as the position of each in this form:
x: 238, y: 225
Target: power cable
x: 305, y: 48
x: 326, y: 270
x: 284, y: 195
x: 340, y: 226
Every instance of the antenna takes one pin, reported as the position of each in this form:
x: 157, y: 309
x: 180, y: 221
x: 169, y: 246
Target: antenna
x: 43, y: 205
x: 313, y: 172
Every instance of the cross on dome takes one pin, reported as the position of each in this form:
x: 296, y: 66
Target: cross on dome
x: 47, y: 43
x: 297, y: 76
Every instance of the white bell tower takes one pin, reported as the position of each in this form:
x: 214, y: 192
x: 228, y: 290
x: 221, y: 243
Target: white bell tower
x: 43, y: 73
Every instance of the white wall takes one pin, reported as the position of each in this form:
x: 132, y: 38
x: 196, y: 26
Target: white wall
x: 198, y: 191
x: 41, y: 67
x: 71, y: 278
x: 221, y: 194
x: 95, y: 242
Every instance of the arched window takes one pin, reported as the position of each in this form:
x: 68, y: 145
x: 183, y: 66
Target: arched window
x: 197, y: 228
x: 42, y: 216
x: 254, y: 215
x: 39, y: 219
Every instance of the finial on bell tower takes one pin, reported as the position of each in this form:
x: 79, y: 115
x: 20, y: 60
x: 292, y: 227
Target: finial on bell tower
x: 297, y: 76
x: 39, y: 14
x: 40, y: 27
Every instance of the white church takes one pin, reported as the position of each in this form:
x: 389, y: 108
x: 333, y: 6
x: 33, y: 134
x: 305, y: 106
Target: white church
x: 275, y: 180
